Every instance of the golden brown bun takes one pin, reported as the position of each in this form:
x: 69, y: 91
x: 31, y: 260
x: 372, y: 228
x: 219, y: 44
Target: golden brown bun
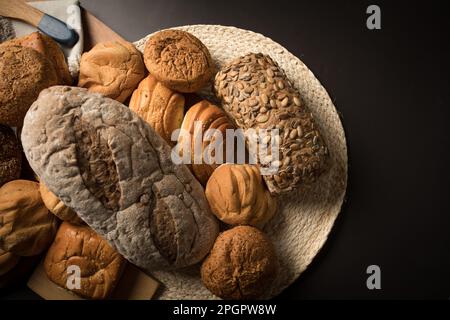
x: 237, y: 195
x: 179, y: 60
x: 242, y: 264
x: 51, y: 50
x: 100, y: 265
x: 159, y: 106
x: 113, y: 69
x: 26, y: 226
x: 8, y: 261
x: 210, y: 117
x: 10, y: 156
x: 57, y: 207
x: 24, y: 72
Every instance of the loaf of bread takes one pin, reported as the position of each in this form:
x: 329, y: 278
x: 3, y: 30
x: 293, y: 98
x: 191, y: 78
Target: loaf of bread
x: 237, y: 195
x: 24, y: 72
x: 79, y: 248
x: 48, y: 48
x: 116, y: 172
x: 10, y: 156
x: 57, y: 207
x: 113, y: 69
x: 26, y: 226
x: 242, y: 264
x: 179, y: 60
x: 207, y: 116
x: 8, y: 261
x: 161, y: 107
x: 256, y: 93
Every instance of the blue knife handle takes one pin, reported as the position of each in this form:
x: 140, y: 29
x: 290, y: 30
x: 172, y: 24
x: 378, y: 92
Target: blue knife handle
x: 58, y: 30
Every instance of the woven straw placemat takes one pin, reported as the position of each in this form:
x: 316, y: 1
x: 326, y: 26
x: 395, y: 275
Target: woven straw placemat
x: 305, y: 217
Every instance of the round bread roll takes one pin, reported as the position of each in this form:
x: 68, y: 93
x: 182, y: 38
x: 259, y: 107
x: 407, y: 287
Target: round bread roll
x: 50, y: 49
x: 8, y: 261
x: 209, y: 117
x: 159, y: 106
x: 10, y: 155
x: 113, y: 69
x: 237, y: 195
x: 242, y: 264
x: 100, y: 265
x: 179, y: 60
x: 57, y: 207
x: 26, y: 226
x: 24, y: 72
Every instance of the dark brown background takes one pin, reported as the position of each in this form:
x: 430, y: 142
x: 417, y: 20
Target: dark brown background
x: 391, y: 87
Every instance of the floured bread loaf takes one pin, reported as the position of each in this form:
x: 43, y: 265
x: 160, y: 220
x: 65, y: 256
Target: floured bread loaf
x: 57, y: 207
x: 116, y: 172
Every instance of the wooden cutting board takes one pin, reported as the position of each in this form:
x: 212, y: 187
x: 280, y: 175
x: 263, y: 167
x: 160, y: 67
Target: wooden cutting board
x: 96, y: 31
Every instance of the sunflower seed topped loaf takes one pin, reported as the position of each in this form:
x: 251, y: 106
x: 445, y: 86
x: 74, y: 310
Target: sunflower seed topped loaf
x: 256, y: 93
x: 116, y: 172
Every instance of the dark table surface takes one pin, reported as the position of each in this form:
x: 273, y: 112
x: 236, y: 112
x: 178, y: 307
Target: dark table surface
x: 392, y: 88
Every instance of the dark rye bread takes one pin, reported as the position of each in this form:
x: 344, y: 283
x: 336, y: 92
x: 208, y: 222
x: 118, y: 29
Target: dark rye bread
x: 116, y: 172
x: 10, y: 156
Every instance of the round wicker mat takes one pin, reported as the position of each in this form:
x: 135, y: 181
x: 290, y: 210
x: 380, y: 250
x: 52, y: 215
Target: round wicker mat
x: 305, y: 217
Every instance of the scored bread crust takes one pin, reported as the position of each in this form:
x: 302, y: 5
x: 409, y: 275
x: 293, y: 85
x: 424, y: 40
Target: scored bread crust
x: 57, y: 207
x: 116, y: 172
x: 209, y: 117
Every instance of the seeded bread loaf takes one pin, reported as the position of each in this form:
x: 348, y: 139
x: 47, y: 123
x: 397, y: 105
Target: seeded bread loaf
x: 10, y: 155
x: 116, y: 172
x: 99, y: 264
x: 179, y: 60
x: 242, y: 264
x: 160, y: 106
x: 207, y: 116
x: 256, y: 93
x: 26, y: 226
x: 237, y: 195
x: 112, y: 68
